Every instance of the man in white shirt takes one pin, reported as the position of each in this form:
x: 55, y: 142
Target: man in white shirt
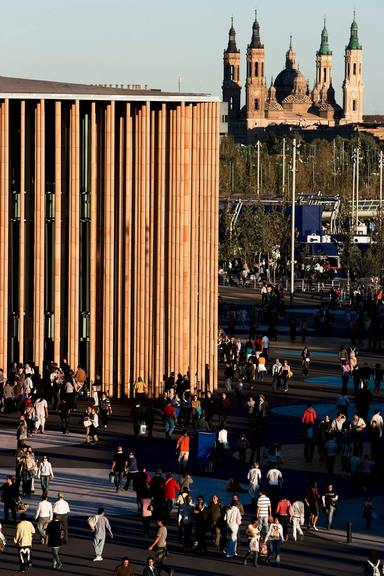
x: 44, y: 515
x: 275, y: 482
x: 377, y: 417
x: 41, y: 409
x: 233, y: 520
x: 265, y: 342
x: 254, y: 478
x: 61, y: 508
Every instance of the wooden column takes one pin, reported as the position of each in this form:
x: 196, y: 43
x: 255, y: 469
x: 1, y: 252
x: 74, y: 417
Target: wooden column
x: 57, y: 235
x: 128, y: 221
x: 194, y: 231
x: 93, y: 252
x: 22, y: 234
x: 215, y: 241
x: 39, y: 233
x: 160, y: 252
x: 147, y: 225
x: 74, y: 237
x: 109, y: 236
x: 4, y: 223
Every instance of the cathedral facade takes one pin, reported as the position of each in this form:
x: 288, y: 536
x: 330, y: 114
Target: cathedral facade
x: 289, y: 99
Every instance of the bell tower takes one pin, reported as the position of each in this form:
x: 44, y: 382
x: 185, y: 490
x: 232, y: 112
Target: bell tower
x: 353, y: 87
x: 256, y: 90
x: 323, y: 66
x: 231, y: 82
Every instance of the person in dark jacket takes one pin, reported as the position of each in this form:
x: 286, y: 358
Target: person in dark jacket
x: 124, y: 569
x: 150, y: 568
x: 54, y: 532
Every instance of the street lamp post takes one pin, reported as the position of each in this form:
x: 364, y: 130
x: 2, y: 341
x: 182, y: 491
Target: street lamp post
x: 283, y: 167
x: 258, y: 146
x: 293, y: 227
x: 353, y: 185
x: 358, y: 158
x: 381, y: 180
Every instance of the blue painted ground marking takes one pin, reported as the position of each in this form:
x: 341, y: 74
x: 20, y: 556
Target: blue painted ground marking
x: 296, y: 410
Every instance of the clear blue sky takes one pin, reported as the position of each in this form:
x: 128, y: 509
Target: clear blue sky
x: 152, y: 42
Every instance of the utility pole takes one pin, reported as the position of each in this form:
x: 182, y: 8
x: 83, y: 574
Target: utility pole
x: 358, y: 158
x: 258, y: 146
x: 381, y: 180
x: 283, y: 167
x: 293, y: 227
x: 354, y: 154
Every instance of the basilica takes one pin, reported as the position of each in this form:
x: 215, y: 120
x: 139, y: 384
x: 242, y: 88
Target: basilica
x: 289, y: 100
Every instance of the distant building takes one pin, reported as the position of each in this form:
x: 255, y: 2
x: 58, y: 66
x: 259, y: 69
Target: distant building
x: 109, y: 231
x: 289, y: 99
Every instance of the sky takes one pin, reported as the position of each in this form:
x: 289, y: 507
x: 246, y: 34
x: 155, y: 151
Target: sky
x: 156, y: 43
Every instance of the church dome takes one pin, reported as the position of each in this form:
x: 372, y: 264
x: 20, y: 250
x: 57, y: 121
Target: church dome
x: 284, y: 83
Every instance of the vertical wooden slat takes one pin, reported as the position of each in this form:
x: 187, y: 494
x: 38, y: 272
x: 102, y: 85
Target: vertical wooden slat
x: 120, y: 258
x: 128, y: 251
x: 39, y: 233
x: 58, y: 246
x: 93, y: 251
x: 74, y: 237
x: 108, y: 283
x: 22, y: 234
x: 4, y: 223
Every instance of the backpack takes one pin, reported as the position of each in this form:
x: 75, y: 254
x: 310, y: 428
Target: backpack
x: 275, y: 531
x: 92, y: 521
x: 375, y: 568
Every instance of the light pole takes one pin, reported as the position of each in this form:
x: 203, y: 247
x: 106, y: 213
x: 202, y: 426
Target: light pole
x: 258, y: 146
x: 293, y: 227
x: 354, y: 154
x: 381, y: 180
x: 358, y: 158
x: 283, y: 167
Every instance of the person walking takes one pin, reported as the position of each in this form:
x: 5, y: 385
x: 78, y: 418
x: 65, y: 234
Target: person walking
x: 44, y: 515
x: 64, y: 412
x: 253, y: 533
x: 182, y: 450
x: 149, y: 568
x: 132, y: 470
x: 23, y: 540
x: 283, y: 512
x: 275, y: 538
x: 102, y: 526
x: 9, y: 495
x: 126, y: 569
x: 298, y: 513
x: 215, y: 511
x: 373, y: 566
x: 45, y: 473
x: 254, y: 479
x: 185, y: 517
x: 233, y: 520
x: 329, y: 502
x: 54, y: 532
x: 160, y: 547
x: 263, y: 510
x: 61, y: 507
x: 119, y: 465
x: 41, y: 412
x: 170, y: 488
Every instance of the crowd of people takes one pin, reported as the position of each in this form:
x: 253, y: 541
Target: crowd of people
x: 166, y: 501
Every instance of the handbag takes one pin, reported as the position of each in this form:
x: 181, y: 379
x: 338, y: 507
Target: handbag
x: 112, y: 477
x: 143, y: 429
x: 87, y: 422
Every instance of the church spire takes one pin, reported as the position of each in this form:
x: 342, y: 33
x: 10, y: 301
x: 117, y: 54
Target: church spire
x: 232, y: 48
x: 256, y: 41
x: 324, y: 46
x: 290, y: 57
x: 354, y: 43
